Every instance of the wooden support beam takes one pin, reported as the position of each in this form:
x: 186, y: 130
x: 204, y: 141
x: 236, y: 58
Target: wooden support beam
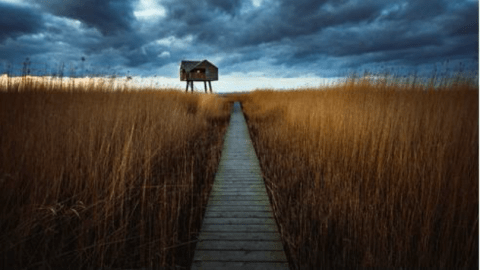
x: 191, y: 85
x: 209, y: 84
x: 205, y: 83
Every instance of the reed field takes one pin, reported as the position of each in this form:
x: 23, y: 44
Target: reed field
x: 371, y: 174
x: 92, y: 178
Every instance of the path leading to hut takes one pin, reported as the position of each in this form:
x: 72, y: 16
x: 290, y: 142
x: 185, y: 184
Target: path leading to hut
x: 239, y: 231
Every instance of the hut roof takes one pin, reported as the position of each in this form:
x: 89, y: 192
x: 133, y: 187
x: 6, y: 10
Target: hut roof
x: 189, y: 65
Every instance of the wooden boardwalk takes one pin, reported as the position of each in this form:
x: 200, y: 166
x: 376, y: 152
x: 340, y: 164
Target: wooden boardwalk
x: 239, y: 231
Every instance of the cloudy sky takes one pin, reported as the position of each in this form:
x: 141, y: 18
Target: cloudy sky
x: 289, y: 41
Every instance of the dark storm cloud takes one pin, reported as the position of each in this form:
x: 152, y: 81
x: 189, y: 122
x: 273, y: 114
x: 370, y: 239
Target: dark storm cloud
x: 18, y: 20
x: 375, y: 32
x: 308, y: 31
x: 274, y: 21
x: 228, y: 6
x: 189, y: 11
x: 305, y: 17
x: 319, y: 36
x: 108, y: 16
x: 417, y: 10
x: 15, y: 51
x: 112, y: 18
x: 210, y: 21
x: 462, y: 20
x: 334, y: 28
x: 350, y: 41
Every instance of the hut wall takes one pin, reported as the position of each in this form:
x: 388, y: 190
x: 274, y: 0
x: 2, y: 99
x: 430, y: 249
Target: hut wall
x: 197, y: 74
x: 211, y: 72
x: 203, y: 72
x: 183, y: 75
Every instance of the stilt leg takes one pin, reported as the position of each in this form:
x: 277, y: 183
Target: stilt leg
x: 209, y: 84
x: 205, y: 83
x: 186, y: 90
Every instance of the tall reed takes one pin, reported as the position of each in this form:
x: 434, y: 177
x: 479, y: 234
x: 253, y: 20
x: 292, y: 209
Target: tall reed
x: 92, y: 178
x: 371, y: 174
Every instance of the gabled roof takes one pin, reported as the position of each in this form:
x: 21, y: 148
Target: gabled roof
x: 189, y: 65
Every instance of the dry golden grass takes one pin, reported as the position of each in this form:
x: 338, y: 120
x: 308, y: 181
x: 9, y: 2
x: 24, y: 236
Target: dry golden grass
x: 19, y: 83
x: 97, y: 179
x: 364, y: 174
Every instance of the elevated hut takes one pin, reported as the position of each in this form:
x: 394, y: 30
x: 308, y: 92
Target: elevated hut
x: 205, y: 71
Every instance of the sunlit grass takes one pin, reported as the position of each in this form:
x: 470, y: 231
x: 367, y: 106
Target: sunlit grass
x: 372, y: 174
x: 112, y: 83
x: 92, y: 178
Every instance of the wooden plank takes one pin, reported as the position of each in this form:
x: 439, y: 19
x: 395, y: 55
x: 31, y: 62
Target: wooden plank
x: 198, y: 265
x: 243, y: 188
x: 240, y: 256
x: 259, y: 197
x: 237, y: 193
x: 244, y: 236
x: 228, y: 176
x: 233, y: 183
x: 211, y: 214
x: 256, y: 208
x: 238, y: 177
x: 239, y: 182
x: 245, y: 164
x: 225, y: 190
x: 239, y: 245
x: 240, y: 185
x: 238, y: 203
x: 238, y: 228
x: 232, y: 175
x: 238, y: 221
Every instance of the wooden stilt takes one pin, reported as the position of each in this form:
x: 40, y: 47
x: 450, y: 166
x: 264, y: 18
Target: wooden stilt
x: 191, y: 86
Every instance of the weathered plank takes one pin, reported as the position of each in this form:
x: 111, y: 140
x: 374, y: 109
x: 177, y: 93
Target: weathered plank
x: 240, y: 236
x: 223, y: 190
x: 236, y: 193
x: 242, y: 245
x: 240, y: 265
x: 236, y: 221
x: 239, y: 231
x: 241, y: 255
x: 256, y: 208
x: 211, y: 214
x: 258, y: 197
x: 239, y: 203
x: 239, y: 228
x: 234, y: 187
